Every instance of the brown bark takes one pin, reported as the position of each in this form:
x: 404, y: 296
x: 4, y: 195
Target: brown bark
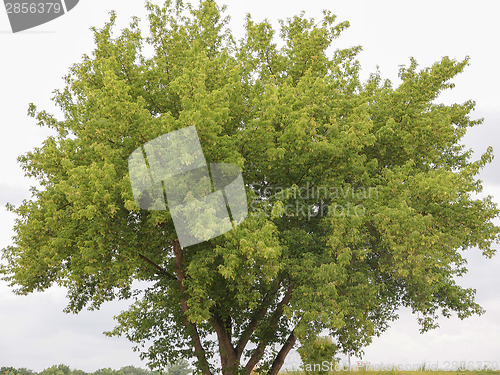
x: 229, y: 360
x: 280, y: 358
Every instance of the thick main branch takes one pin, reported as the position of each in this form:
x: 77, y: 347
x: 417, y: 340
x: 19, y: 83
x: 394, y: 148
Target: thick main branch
x: 280, y: 358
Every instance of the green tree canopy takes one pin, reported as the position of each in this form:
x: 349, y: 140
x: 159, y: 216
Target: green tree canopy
x: 361, y: 198
x: 132, y: 370
x: 108, y: 371
x: 181, y: 367
x: 57, y: 370
x: 6, y: 370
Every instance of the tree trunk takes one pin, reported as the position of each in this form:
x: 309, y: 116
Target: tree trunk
x: 228, y: 356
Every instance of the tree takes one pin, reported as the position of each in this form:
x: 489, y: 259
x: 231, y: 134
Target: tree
x: 132, y: 370
x: 319, y: 353
x: 108, y: 371
x: 361, y: 198
x: 13, y: 371
x: 57, y: 370
x: 179, y: 368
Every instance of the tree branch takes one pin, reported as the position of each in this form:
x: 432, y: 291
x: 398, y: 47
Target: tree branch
x: 161, y: 270
x: 250, y: 328
x: 259, y: 351
x: 280, y: 358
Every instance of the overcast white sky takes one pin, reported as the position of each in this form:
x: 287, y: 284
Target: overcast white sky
x: 34, y: 332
